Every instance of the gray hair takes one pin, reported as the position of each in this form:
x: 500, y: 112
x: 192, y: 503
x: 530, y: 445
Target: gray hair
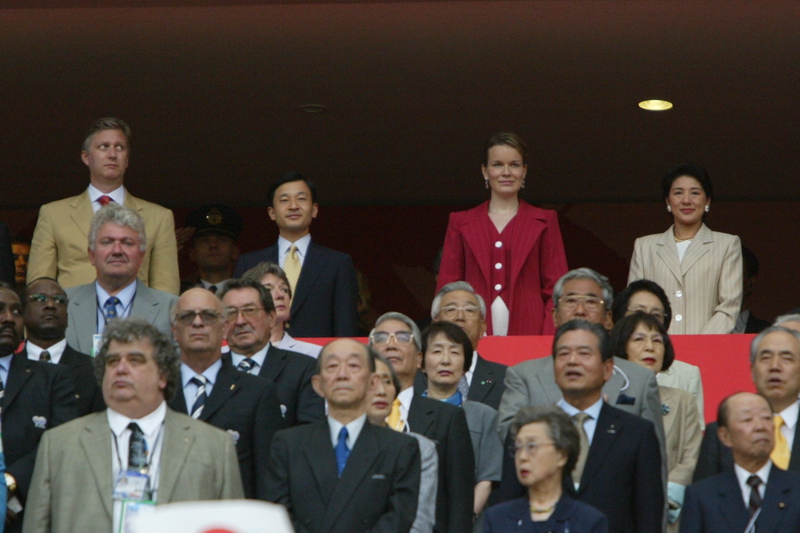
x: 405, y: 320
x: 794, y: 317
x: 585, y: 273
x: 127, y: 330
x: 760, y: 337
x: 103, y: 124
x: 436, y: 306
x: 559, y: 425
x: 258, y: 272
x: 121, y: 216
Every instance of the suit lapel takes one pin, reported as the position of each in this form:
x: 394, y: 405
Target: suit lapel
x: 666, y: 250
x: 83, y: 316
x: 178, y: 441
x: 483, y: 379
x: 226, y: 386
x: 524, y: 238
x: 322, y: 460
x: 82, y: 212
x: 96, y: 446
x: 698, y: 248
x: 312, y: 266
x: 144, y: 305
x: 419, y: 417
x: 364, y: 454
x: 731, y: 504
x: 547, y: 383
x: 776, y: 497
x: 274, y: 363
x: 478, y: 233
x: 20, y: 371
x: 794, y: 458
x: 605, y: 433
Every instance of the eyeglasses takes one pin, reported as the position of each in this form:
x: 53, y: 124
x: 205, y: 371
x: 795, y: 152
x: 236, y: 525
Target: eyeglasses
x: 207, y: 316
x: 528, y: 447
x: 41, y: 299
x: 248, y: 311
x: 590, y: 303
x: 655, y: 313
x: 400, y: 337
x: 451, y: 311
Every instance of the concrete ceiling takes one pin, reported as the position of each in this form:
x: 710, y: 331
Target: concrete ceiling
x: 213, y: 92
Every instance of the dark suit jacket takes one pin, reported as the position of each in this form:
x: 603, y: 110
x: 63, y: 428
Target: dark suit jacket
x: 8, y: 268
x: 37, y: 396
x: 715, y: 505
x: 446, y: 425
x: 248, y: 409
x: 488, y: 383
x: 291, y: 373
x: 716, y: 458
x: 569, y: 515
x: 324, y: 302
x: 756, y: 325
x: 88, y: 396
x: 378, y: 490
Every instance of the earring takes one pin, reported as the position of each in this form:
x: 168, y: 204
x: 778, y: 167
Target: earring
x: 523, y: 185
x: 669, y: 209
x: 486, y: 181
x: 708, y: 208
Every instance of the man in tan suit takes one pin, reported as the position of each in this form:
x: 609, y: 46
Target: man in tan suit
x: 58, y: 249
x: 79, y: 468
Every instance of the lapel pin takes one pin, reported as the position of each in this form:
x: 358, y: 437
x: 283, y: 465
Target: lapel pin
x: 233, y: 387
x: 39, y: 422
x: 611, y: 429
x: 781, y: 505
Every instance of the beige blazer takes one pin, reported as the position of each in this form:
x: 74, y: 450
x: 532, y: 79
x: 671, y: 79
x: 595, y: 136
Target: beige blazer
x: 61, y: 240
x: 684, y: 376
x: 705, y: 289
x: 72, y: 481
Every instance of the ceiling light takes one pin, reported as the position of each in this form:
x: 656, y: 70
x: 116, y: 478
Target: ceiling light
x: 655, y: 105
x: 313, y: 109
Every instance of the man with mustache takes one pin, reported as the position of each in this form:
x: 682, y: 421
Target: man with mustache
x: 117, y: 246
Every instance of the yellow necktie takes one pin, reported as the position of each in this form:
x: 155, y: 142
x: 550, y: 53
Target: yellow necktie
x: 780, y: 453
x: 394, y: 420
x: 292, y: 267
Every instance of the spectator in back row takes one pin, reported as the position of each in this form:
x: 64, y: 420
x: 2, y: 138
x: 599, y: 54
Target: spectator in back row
x: 216, y: 229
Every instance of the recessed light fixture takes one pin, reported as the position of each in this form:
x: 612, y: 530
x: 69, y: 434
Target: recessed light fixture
x: 313, y: 109
x: 655, y: 105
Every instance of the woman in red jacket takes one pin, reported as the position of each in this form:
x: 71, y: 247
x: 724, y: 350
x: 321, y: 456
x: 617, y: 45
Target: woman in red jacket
x: 510, y: 251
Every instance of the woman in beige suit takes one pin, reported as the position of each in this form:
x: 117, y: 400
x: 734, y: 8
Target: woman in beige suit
x: 700, y: 269
x: 642, y: 338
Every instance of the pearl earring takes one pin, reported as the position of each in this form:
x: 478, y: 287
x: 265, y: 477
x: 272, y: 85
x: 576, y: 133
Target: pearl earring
x: 708, y: 208
x: 486, y: 181
x: 669, y: 209
x: 523, y: 185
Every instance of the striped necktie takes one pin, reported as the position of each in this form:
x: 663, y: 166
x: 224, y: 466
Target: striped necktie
x: 246, y: 365
x: 200, y: 398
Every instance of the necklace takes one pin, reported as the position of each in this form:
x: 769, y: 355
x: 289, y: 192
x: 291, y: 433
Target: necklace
x: 542, y: 511
x: 682, y: 240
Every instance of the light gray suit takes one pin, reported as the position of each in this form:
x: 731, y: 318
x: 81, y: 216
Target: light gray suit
x: 72, y: 482
x: 149, y: 304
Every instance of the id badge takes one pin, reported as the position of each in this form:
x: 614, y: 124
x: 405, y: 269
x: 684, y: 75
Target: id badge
x: 97, y: 342
x: 131, y: 485
x: 131, y: 510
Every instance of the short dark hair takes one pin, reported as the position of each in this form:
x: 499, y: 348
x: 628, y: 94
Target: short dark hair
x: 25, y: 291
x: 288, y: 178
x: 506, y: 138
x: 242, y: 283
x: 623, y: 330
x: 453, y: 333
x: 620, y: 306
x: 368, y: 351
x: 165, y: 353
x: 560, y: 427
x: 578, y: 324
x: 106, y: 123
x: 750, y: 262
x: 693, y: 171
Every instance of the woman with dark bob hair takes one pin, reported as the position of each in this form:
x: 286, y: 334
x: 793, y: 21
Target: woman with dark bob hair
x: 642, y: 338
x: 510, y: 251
x: 546, y: 448
x: 699, y: 269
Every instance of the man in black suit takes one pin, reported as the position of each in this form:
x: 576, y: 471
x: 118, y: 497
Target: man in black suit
x: 246, y: 406
x: 397, y: 338
x: 45, y: 318
x: 36, y: 396
x: 755, y: 495
x: 345, y: 475
x: 252, y: 316
x: 323, y: 281
x: 619, y: 473
x: 775, y: 369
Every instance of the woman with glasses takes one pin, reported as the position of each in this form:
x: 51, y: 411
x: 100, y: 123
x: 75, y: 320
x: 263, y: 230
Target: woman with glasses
x: 700, y: 269
x: 643, y: 339
x: 545, y: 450
x: 274, y: 279
x: 510, y: 251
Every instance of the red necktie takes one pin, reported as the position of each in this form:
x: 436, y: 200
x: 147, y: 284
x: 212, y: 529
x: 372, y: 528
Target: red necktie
x: 104, y: 200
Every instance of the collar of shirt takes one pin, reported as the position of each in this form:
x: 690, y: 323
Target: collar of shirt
x: 302, y: 248
x: 468, y: 374
x: 742, y: 475
x: 149, y: 424
x: 5, y: 366
x: 790, y: 415
x: 593, y: 411
x: 118, y: 195
x: 190, y: 389
x: 220, y: 285
x: 259, y: 357
x: 55, y: 351
x: 125, y: 296
x: 353, y: 430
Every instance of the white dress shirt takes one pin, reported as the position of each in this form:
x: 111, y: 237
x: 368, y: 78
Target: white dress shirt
x: 190, y: 389
x: 258, y: 358
x: 590, y: 424
x: 742, y: 475
x: 302, y: 249
x: 118, y: 195
x: 55, y: 351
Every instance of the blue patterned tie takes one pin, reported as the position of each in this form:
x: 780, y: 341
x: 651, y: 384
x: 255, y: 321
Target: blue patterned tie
x: 111, y: 308
x: 463, y: 387
x: 342, y: 451
x: 246, y: 365
x: 200, y: 397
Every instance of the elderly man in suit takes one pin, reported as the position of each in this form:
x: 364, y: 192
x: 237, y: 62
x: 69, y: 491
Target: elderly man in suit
x: 137, y: 449
x: 322, y: 280
x: 775, y: 369
x: 251, y: 313
x: 345, y: 475
x: 117, y: 247
x: 215, y: 392
x: 58, y: 246
x: 755, y: 495
x: 36, y: 396
x: 45, y: 319
x: 397, y: 338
